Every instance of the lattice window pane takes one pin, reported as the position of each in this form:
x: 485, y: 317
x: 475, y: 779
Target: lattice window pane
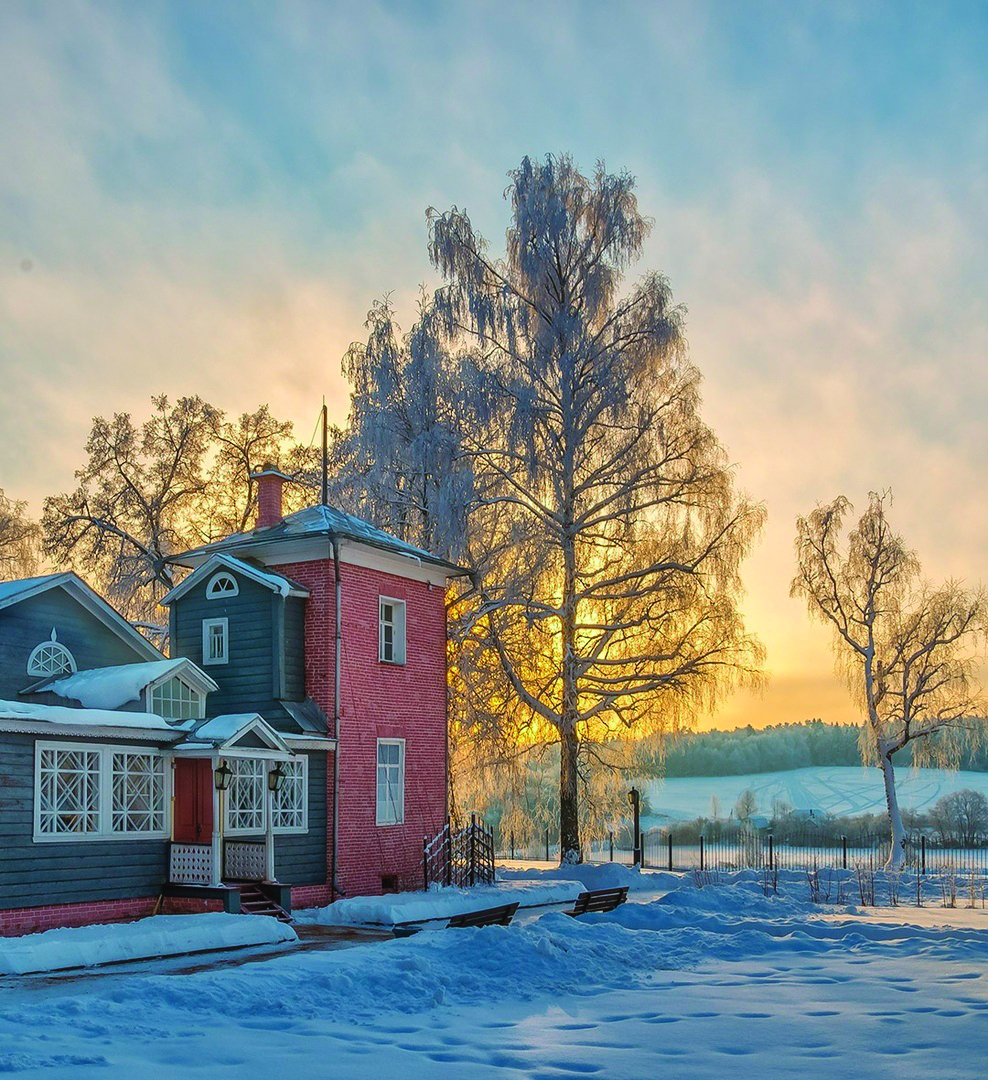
x: 290, y: 801
x: 245, y: 796
x: 68, y: 795
x: 50, y: 658
x: 138, y: 793
x: 176, y: 700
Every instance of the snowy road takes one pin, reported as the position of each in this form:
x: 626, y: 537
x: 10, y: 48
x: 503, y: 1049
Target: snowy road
x: 697, y: 984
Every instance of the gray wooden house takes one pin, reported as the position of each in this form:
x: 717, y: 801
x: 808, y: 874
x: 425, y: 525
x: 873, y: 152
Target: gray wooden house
x: 123, y: 788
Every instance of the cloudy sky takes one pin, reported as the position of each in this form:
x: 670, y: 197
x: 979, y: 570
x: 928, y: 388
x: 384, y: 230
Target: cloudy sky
x: 206, y: 197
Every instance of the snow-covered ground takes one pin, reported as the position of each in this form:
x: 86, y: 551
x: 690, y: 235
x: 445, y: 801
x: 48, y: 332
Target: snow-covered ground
x: 835, y: 790
x: 698, y: 983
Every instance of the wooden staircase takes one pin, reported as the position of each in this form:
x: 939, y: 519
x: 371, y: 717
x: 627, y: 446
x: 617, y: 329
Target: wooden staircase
x: 253, y: 901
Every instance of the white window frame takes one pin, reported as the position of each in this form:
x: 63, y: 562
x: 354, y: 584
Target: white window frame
x: 248, y: 772
x: 198, y: 694
x: 397, y: 624
x: 397, y: 815
x: 217, y: 588
x: 208, y: 625
x: 296, y: 782
x: 101, y: 806
x: 39, y: 662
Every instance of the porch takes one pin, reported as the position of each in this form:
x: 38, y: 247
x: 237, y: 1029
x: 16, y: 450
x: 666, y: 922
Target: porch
x: 245, y: 886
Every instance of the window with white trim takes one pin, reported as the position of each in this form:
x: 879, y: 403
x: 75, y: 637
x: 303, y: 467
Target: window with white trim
x: 245, y: 795
x: 174, y: 699
x: 51, y: 658
x: 290, y: 804
x: 107, y: 792
x: 392, y: 631
x: 221, y: 585
x: 390, y: 781
x: 215, y: 641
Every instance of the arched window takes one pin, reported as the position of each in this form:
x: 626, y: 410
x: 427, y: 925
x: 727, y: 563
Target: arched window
x: 222, y: 584
x: 50, y: 658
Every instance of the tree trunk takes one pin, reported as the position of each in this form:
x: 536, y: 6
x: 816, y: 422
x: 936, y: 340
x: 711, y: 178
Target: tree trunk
x: 897, y: 852
x: 569, y: 818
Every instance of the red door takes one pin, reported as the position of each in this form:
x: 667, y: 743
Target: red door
x: 193, y: 801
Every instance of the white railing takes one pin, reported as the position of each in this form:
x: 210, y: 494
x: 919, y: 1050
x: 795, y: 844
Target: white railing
x: 191, y: 864
x: 243, y: 861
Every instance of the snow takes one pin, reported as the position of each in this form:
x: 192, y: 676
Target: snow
x: 835, y: 790
x: 699, y: 983
x: 442, y: 903
x: 111, y: 687
x: 160, y: 935
x: 63, y: 715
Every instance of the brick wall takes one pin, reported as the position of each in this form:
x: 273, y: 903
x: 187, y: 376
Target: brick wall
x: 33, y: 920
x: 380, y: 701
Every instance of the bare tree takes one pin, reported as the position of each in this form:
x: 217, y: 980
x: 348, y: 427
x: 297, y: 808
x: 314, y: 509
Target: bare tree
x: 179, y: 479
x: 605, y: 523
x: 961, y: 817
x: 909, y: 651
x: 19, y: 539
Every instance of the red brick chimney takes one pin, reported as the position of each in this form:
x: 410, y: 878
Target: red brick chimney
x: 269, y: 484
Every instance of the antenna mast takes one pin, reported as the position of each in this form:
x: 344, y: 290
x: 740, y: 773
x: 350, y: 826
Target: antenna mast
x: 325, y: 454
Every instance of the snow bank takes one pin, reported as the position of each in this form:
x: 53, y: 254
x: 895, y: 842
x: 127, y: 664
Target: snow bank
x: 441, y: 903
x: 160, y: 935
x: 597, y: 876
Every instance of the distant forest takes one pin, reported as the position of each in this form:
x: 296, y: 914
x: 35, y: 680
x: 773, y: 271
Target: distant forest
x: 777, y: 748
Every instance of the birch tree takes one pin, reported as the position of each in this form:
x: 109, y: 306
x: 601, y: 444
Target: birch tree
x: 401, y: 463
x: 606, y: 525
x: 909, y: 651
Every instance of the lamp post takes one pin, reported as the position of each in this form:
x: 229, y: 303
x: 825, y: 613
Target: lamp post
x: 635, y: 799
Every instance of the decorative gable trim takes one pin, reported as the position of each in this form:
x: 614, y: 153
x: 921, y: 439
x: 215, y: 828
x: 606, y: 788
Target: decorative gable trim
x: 220, y: 562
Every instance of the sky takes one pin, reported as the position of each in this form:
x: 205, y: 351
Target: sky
x: 206, y: 198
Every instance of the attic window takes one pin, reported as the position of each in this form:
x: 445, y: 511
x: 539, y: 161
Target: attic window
x: 222, y: 585
x: 50, y: 658
x: 174, y: 699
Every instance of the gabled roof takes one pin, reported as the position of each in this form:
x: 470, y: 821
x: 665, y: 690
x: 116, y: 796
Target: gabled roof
x: 14, y: 592
x: 111, y: 687
x: 315, y: 521
x: 224, y: 732
x: 219, y: 561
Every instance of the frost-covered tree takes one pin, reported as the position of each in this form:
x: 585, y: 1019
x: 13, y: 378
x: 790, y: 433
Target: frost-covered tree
x: 19, y: 538
x: 606, y: 527
x: 909, y: 651
x: 961, y: 817
x: 401, y: 463
x: 149, y: 491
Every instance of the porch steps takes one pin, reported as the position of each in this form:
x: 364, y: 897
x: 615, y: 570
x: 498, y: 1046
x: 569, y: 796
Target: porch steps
x: 254, y: 902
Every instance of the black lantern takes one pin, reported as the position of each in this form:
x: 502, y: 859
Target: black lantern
x: 221, y: 776
x: 276, y: 777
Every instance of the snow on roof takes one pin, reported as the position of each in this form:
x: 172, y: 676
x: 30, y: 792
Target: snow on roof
x: 64, y: 716
x: 110, y: 687
x: 325, y: 521
x: 11, y: 589
x: 220, y: 728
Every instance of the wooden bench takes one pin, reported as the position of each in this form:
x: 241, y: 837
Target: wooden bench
x: 492, y: 916
x: 599, y: 900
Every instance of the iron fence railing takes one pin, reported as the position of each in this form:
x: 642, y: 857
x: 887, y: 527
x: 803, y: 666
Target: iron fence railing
x: 737, y: 847
x: 459, y: 856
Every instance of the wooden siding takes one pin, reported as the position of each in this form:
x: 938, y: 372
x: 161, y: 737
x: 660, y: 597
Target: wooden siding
x: 63, y: 873
x: 246, y: 681
x: 294, y: 649
x: 28, y: 623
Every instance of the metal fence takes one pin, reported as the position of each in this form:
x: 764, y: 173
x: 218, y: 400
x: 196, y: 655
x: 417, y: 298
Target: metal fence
x: 459, y: 856
x: 745, y: 847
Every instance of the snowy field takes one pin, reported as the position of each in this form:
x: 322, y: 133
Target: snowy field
x: 834, y: 790
x: 692, y: 983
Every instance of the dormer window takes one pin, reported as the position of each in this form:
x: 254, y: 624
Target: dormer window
x: 221, y: 585
x: 174, y: 699
x: 51, y: 658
